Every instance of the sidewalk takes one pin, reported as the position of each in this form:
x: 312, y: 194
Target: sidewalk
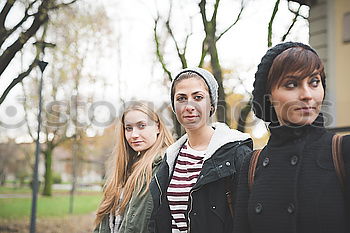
x: 19, y: 195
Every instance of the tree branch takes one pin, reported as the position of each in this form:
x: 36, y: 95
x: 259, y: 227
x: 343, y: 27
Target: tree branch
x: 296, y: 14
x: 26, y: 112
x: 203, y: 14
x: 19, y: 24
x: 269, y: 33
x: 179, y: 53
x: 18, y: 79
x: 186, y: 42
x: 213, y: 17
x: 234, y: 23
x: 40, y: 18
x: 204, y: 53
x: 4, y: 12
x: 61, y: 5
x: 61, y: 140
x: 158, y: 52
x: 205, y: 47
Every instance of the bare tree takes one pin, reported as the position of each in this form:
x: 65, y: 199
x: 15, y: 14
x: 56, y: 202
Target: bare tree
x: 245, y: 110
x: 209, y: 47
x: 296, y: 13
x: 68, y: 71
x: 36, y: 14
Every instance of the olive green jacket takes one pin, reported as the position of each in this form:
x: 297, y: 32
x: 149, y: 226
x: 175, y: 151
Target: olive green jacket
x: 137, y: 212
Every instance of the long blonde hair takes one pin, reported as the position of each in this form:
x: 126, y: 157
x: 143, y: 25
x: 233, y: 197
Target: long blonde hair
x: 128, y: 174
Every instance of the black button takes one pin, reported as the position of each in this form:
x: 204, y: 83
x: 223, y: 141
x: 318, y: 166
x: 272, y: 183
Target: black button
x: 294, y: 160
x: 266, y: 162
x: 291, y: 208
x: 258, y: 208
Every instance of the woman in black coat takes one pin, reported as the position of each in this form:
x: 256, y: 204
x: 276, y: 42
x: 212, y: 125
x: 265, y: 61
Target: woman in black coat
x: 194, y: 187
x: 295, y: 186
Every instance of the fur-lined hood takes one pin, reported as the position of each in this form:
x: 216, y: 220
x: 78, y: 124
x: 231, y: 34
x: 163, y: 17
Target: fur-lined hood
x: 222, y: 135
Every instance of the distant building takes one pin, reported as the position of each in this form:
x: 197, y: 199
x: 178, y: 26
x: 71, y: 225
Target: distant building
x: 330, y: 36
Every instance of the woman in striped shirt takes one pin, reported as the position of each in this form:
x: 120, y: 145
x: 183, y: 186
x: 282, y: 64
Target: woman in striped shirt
x: 192, y: 191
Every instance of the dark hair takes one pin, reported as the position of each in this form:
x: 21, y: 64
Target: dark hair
x: 296, y: 61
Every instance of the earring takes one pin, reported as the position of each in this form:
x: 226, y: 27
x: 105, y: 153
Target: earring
x: 211, y: 110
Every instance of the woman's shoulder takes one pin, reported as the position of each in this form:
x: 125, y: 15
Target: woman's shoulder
x: 240, y: 151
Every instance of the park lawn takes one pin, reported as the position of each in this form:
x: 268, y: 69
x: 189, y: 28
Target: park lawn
x: 55, y: 206
x: 8, y: 190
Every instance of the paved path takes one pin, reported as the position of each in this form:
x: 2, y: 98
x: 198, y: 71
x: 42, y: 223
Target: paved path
x: 21, y: 195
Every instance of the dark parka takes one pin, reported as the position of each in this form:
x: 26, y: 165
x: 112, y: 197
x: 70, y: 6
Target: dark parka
x: 208, y: 210
x: 296, y: 189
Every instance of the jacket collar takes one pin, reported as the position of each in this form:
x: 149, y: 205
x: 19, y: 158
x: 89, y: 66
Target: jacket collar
x: 222, y: 135
x: 158, y: 159
x: 281, y: 135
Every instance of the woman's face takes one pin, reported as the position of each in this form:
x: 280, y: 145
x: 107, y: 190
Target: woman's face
x: 192, y: 103
x: 140, y: 130
x: 298, y: 101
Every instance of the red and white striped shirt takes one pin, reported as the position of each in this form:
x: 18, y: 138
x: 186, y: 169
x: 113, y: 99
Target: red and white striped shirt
x: 187, y: 169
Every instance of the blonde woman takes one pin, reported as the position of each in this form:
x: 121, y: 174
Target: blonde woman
x: 141, y: 139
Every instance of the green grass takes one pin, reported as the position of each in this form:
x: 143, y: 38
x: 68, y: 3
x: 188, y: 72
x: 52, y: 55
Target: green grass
x: 7, y: 190
x: 56, y: 206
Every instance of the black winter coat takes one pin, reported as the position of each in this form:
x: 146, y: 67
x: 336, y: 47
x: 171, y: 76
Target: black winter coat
x: 208, y: 209
x: 296, y: 189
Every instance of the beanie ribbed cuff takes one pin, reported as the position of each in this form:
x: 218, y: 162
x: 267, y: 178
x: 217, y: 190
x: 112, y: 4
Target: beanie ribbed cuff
x: 208, y: 78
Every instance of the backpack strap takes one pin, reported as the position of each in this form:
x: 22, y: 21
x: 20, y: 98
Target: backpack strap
x: 252, y: 166
x: 228, y: 192
x: 338, y: 159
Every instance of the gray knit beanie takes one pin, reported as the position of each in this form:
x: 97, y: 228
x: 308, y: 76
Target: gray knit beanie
x: 209, y: 80
x: 261, y: 104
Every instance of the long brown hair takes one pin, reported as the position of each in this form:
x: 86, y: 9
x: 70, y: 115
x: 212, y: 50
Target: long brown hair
x: 128, y: 175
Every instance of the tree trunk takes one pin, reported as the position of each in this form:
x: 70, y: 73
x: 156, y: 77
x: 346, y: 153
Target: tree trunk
x: 242, y: 121
x: 47, y: 191
x: 216, y: 69
x: 2, y: 178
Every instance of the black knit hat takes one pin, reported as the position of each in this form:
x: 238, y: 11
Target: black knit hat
x: 262, y: 106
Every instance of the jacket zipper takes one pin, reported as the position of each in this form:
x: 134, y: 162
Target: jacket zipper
x: 189, y: 212
x: 160, y: 190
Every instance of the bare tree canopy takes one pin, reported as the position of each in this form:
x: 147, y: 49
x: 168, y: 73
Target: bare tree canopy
x: 35, y: 14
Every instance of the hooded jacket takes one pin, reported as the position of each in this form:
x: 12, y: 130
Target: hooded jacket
x: 208, y: 209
